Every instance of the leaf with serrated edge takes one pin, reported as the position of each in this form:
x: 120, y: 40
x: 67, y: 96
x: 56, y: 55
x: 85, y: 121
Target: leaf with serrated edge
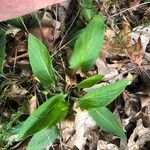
x: 107, y: 121
x: 40, y: 61
x: 43, y: 138
x: 2, y: 48
x: 103, y: 96
x: 88, y: 45
x: 90, y: 81
x: 48, y: 114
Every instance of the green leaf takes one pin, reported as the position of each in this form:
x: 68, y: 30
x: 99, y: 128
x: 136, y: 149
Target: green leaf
x: 48, y: 114
x: 36, y: 18
x: 103, y: 96
x: 87, y: 9
x: 40, y: 61
x: 90, y: 81
x: 2, y: 48
x: 107, y: 121
x: 43, y: 138
x: 21, y: 22
x: 88, y: 45
x: 16, y: 22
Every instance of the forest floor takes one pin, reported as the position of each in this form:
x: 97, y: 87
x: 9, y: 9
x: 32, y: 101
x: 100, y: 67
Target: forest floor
x: 125, y: 52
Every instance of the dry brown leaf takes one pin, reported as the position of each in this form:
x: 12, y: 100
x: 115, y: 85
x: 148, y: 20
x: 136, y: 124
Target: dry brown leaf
x: 108, y: 72
x: 45, y: 34
x: 147, y: 14
x: 103, y: 145
x: 69, y: 81
x: 67, y: 132
x: 133, y: 3
x: 83, y: 125
x: 123, y: 46
x: 17, y: 92
x: 139, y: 137
x: 132, y: 104
x: 145, y: 101
x: 32, y: 104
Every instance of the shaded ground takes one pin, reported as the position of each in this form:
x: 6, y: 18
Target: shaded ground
x: 126, y: 52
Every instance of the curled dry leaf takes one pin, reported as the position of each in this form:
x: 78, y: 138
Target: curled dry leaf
x: 17, y: 92
x: 67, y: 127
x: 142, y: 135
x: 108, y: 72
x: 32, y: 104
x: 103, y: 145
x: 145, y: 101
x: 83, y: 125
x: 130, y: 42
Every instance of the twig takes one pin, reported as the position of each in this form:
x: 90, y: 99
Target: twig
x: 69, y: 29
x: 130, y: 9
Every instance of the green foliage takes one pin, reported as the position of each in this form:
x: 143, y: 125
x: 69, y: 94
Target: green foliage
x: 40, y: 61
x: 103, y: 96
x: 42, y: 123
x: 107, y: 121
x: 35, y: 19
x: 43, y: 138
x: 2, y: 48
x: 16, y: 22
x: 90, y: 81
x: 88, y: 45
x: 20, y: 22
x: 87, y: 9
x: 48, y: 114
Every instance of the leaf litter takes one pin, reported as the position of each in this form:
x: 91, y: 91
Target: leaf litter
x: 125, y: 51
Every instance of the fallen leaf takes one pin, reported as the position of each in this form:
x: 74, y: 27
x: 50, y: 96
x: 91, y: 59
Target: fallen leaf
x: 104, y: 145
x: 139, y: 137
x: 133, y: 3
x: 83, y: 125
x: 32, y: 104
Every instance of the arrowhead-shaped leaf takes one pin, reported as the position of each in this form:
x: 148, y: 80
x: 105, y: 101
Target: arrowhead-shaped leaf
x: 90, y: 81
x: 48, y: 114
x: 103, y: 96
x: 88, y: 45
x: 2, y: 48
x: 40, y: 61
x: 43, y: 138
x: 107, y: 121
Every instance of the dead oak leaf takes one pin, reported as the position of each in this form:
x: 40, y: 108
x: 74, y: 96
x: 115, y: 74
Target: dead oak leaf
x: 122, y: 45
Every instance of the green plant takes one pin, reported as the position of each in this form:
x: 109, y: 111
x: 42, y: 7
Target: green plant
x: 2, y: 48
x: 88, y: 45
x: 42, y: 122
x: 87, y: 9
x: 22, y: 22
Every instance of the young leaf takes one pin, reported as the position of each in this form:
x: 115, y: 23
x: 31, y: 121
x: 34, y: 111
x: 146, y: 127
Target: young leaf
x: 90, y: 81
x: 88, y: 45
x: 87, y: 9
x: 40, y: 61
x: 103, y: 96
x: 43, y: 138
x: 48, y: 114
x: 107, y: 121
x: 2, y: 48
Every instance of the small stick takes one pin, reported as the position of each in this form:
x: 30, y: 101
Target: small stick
x: 130, y: 9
